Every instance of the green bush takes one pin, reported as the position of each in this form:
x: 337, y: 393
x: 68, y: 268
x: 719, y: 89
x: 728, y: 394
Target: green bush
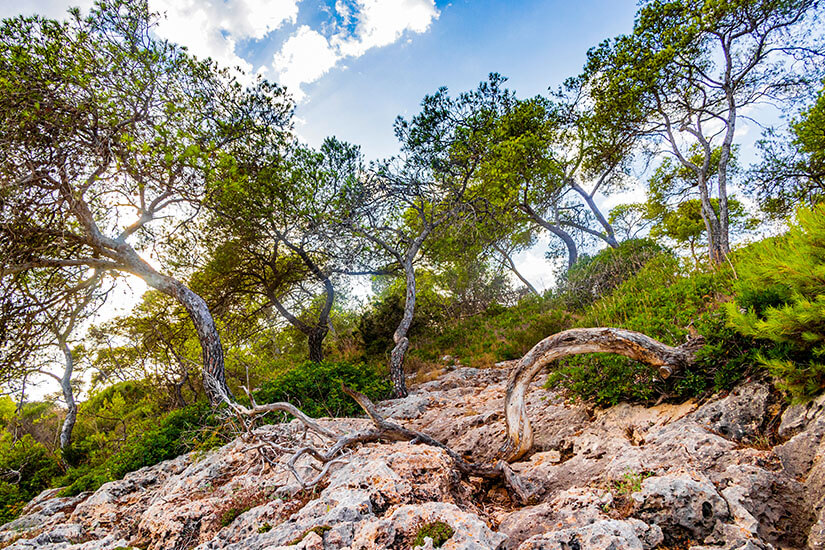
x: 668, y: 303
x: 315, y: 388
x: 175, y: 433
x: 594, y: 277
x: 27, y: 468
x: 781, y: 299
x: 439, y: 531
x: 498, y: 334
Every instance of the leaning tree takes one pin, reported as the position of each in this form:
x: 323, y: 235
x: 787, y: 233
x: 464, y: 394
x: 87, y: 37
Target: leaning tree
x: 108, y: 135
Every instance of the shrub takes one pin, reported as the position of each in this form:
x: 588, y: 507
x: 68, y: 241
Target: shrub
x: 667, y: 303
x: 315, y: 388
x: 498, y: 334
x: 439, y: 531
x: 594, y: 277
x: 781, y: 299
x: 27, y: 468
x: 173, y: 434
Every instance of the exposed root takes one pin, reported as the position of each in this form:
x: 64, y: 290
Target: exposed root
x: 634, y: 345
x: 273, y: 448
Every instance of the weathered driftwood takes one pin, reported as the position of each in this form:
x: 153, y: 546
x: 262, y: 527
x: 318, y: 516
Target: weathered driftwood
x: 634, y: 345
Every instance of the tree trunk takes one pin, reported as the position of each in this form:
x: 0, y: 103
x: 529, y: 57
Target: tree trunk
x: 402, y: 343
x: 572, y: 252
x: 315, y: 340
x: 214, y: 378
x: 573, y: 342
x: 511, y: 265
x: 609, y: 235
x: 68, y: 395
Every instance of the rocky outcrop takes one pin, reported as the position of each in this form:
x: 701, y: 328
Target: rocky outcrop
x: 691, y: 476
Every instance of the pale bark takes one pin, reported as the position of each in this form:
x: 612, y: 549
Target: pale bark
x: 631, y: 344
x: 609, y: 236
x: 68, y: 395
x: 569, y: 243
x: 402, y: 343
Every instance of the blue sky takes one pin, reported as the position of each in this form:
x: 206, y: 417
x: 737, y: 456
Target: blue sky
x: 354, y: 65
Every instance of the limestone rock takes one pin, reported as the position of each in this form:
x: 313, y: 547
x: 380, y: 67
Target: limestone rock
x: 400, y: 528
x: 739, y: 415
x: 681, y: 502
x: 610, y: 534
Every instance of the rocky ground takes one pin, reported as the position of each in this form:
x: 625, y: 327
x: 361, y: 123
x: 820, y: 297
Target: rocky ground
x: 738, y: 471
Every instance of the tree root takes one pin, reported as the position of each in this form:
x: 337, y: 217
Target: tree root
x: 634, y: 345
x: 336, y: 453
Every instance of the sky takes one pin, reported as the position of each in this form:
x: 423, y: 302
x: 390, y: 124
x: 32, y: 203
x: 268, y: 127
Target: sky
x: 353, y: 66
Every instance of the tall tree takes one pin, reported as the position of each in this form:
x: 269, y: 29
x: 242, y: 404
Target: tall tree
x: 51, y: 309
x: 273, y: 218
x: 402, y: 202
x: 684, y: 75
x: 105, y: 129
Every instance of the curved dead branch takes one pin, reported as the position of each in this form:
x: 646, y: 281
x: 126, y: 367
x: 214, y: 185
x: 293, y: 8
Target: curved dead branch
x: 634, y: 345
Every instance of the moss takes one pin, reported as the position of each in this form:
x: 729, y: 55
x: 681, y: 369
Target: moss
x: 265, y: 528
x: 228, y: 516
x: 439, y: 531
x: 318, y: 530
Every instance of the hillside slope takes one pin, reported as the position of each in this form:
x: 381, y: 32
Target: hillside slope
x: 693, y: 475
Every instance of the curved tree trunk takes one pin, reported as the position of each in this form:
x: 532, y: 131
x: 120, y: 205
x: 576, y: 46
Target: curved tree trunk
x: 511, y: 265
x: 214, y: 378
x: 572, y: 250
x: 68, y: 395
x: 402, y: 343
x: 634, y: 345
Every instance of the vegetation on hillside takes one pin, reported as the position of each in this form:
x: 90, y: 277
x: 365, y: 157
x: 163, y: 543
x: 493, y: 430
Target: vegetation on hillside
x: 120, y: 147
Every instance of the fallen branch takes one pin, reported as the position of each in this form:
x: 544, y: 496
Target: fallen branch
x: 628, y: 343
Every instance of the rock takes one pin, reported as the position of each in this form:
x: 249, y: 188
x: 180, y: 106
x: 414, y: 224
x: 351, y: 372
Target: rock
x: 406, y: 408
x: 796, y: 418
x: 610, y: 534
x: 768, y: 505
x: 400, y: 528
x: 732, y: 537
x: 573, y: 508
x: 680, y: 503
x: 739, y: 415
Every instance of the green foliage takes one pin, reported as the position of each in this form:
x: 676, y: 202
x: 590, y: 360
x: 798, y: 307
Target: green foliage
x: 439, y: 531
x: 315, y: 388
x: 781, y: 298
x: 26, y: 468
x: 498, y: 334
x: 792, y: 171
x: 631, y: 482
x: 596, y: 276
x: 666, y: 302
x: 175, y: 433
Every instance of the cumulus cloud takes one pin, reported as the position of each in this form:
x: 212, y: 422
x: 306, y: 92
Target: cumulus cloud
x: 215, y: 28
x: 212, y: 28
x: 305, y: 57
x: 365, y: 24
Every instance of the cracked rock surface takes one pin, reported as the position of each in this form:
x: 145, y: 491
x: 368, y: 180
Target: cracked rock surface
x: 702, y: 476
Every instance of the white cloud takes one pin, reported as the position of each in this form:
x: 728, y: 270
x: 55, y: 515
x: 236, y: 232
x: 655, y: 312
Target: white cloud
x: 307, y: 55
x: 382, y: 22
x: 212, y: 28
